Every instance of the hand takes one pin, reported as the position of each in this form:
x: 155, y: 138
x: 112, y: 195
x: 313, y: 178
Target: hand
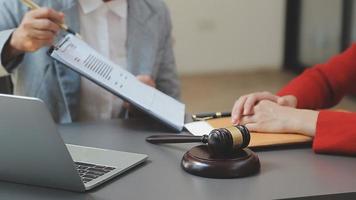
x: 272, y: 117
x: 146, y: 79
x: 37, y: 29
x: 244, y: 105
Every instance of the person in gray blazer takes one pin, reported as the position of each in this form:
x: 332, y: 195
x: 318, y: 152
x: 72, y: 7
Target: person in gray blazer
x: 134, y: 33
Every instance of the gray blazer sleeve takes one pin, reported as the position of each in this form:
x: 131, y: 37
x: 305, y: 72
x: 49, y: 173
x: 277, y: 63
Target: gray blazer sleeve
x: 167, y: 78
x: 11, y: 13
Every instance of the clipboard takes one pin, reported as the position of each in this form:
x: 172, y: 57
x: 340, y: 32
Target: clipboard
x: 258, y: 140
x: 80, y: 57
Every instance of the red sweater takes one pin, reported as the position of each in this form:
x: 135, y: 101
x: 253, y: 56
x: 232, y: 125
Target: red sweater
x: 323, y: 86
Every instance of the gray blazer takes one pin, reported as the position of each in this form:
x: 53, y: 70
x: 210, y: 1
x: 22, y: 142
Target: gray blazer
x: 149, y: 49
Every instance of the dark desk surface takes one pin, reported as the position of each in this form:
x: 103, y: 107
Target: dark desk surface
x: 284, y: 173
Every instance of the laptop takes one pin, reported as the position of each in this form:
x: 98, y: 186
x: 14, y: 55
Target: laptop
x: 32, y: 151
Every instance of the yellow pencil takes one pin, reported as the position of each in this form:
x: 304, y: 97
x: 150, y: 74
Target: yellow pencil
x: 32, y: 5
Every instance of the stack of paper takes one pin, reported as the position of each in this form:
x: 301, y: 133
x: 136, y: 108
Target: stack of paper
x: 257, y: 139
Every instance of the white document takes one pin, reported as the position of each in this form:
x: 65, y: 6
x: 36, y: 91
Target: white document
x: 199, y: 128
x: 77, y: 55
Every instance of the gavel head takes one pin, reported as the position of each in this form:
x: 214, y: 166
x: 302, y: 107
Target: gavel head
x: 226, y: 141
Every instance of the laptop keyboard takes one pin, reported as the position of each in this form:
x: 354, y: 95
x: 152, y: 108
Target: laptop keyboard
x: 90, y: 172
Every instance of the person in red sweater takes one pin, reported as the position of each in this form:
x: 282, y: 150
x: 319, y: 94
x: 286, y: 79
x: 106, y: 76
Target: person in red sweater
x: 298, y: 107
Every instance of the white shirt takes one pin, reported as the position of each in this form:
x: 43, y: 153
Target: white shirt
x: 104, y: 27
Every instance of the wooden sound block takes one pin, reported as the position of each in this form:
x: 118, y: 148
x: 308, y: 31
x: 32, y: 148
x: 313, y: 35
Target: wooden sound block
x: 199, y: 162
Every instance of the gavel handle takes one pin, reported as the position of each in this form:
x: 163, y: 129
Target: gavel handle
x: 157, y: 139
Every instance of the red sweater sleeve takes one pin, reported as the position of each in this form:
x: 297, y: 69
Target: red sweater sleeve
x: 335, y: 133
x: 323, y: 86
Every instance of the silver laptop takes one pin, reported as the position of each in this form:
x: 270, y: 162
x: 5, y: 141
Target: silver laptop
x: 32, y: 152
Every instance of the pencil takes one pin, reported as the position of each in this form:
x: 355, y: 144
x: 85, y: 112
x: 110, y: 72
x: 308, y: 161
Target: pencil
x: 32, y: 5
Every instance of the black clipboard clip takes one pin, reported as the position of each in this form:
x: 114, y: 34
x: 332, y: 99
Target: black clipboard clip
x: 58, y: 45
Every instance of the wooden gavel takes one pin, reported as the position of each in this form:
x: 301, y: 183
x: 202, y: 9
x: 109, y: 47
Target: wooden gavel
x: 222, y: 141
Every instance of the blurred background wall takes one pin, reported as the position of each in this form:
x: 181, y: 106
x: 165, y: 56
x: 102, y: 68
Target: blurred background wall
x: 227, y: 35
x: 320, y: 30
x: 228, y: 48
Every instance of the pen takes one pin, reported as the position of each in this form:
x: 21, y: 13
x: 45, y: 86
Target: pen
x: 207, y: 116
x: 32, y: 5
